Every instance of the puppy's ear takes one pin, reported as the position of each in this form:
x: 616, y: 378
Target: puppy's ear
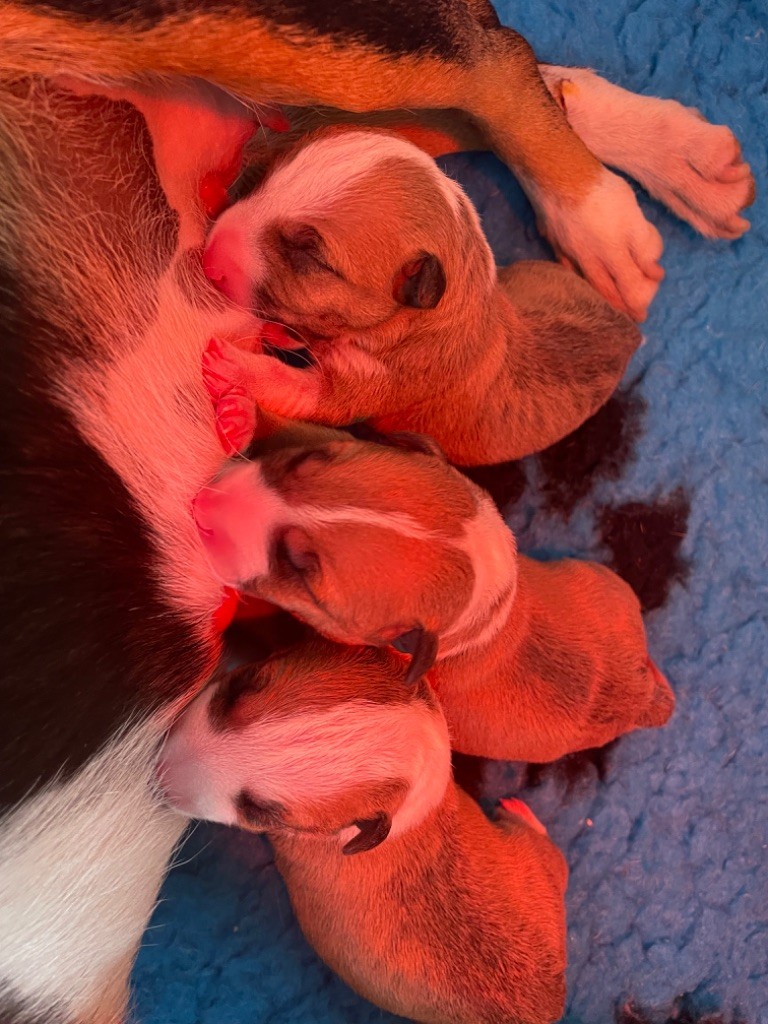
x: 373, y: 832
x: 422, y: 646
x: 404, y: 439
x: 420, y: 283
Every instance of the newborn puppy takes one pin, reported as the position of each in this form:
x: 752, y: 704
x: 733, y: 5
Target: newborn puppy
x: 376, y: 261
x: 440, y: 916
x: 369, y: 544
x: 373, y: 544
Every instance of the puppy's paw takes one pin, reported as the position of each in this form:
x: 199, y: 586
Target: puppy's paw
x: 223, y: 370
x: 700, y: 174
x: 235, y: 420
x: 282, y: 389
x: 607, y: 239
x: 521, y: 810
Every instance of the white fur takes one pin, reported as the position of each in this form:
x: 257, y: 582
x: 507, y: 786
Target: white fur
x: 311, y: 756
x: 81, y: 861
x: 310, y: 184
x: 81, y: 864
x: 675, y: 154
x: 492, y: 550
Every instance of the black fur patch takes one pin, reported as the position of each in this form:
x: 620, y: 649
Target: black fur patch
x: 644, y: 539
x: 437, y: 28
x: 142, y: 13
x: 574, y: 771
x: 598, y: 450
x: 87, y: 638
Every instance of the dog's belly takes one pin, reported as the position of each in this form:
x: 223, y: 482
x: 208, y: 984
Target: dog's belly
x: 107, y: 435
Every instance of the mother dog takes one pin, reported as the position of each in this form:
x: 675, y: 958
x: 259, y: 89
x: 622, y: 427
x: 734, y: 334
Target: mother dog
x: 107, y: 602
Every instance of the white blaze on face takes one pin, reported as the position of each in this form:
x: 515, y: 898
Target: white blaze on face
x: 313, y: 756
x: 308, y: 186
x: 491, y: 548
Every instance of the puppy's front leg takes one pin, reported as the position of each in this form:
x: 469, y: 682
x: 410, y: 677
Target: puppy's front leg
x: 239, y: 381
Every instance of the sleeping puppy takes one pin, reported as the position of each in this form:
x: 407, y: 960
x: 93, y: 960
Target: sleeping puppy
x: 374, y: 544
x: 397, y: 878
x: 376, y: 261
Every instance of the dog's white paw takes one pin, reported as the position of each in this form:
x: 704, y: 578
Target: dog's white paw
x: 607, y: 239
x: 699, y: 173
x: 694, y: 167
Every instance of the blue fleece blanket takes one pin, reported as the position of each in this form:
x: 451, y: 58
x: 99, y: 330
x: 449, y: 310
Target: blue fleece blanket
x: 666, y: 833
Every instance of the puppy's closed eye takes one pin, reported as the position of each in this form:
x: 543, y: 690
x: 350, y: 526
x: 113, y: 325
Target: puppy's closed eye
x: 258, y: 815
x: 293, y: 555
x: 304, y: 250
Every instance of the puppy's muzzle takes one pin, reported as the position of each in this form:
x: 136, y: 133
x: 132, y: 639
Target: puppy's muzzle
x: 224, y: 264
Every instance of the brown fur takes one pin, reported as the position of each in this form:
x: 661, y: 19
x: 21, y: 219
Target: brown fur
x: 367, y: 582
x: 569, y: 671
x: 499, y: 86
x: 454, y: 920
x: 499, y: 369
x: 457, y: 921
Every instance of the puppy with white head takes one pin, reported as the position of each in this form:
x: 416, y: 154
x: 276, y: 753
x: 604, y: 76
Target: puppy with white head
x: 376, y: 262
x: 397, y: 878
x: 376, y: 543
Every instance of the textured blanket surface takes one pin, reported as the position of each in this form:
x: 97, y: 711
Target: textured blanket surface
x: 666, y: 833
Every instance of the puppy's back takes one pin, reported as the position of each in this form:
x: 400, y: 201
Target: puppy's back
x: 453, y: 922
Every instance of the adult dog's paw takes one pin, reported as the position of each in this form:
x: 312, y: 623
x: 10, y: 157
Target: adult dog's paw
x: 606, y: 238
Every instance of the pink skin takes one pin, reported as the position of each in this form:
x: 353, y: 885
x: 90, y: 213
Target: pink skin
x: 235, y: 412
x: 223, y: 269
x: 213, y: 190
x: 223, y: 552
x: 521, y: 810
x: 238, y: 380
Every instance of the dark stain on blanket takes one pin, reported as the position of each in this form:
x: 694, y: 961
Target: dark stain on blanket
x: 644, y: 540
x: 689, y: 1008
x: 574, y: 772
x: 598, y: 450
x: 504, y: 482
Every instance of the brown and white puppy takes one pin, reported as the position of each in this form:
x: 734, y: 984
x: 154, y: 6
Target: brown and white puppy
x: 377, y: 262
x: 373, y: 544
x: 368, y: 543
x: 397, y: 878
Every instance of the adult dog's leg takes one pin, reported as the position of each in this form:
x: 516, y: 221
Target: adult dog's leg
x: 694, y: 167
x: 362, y: 57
